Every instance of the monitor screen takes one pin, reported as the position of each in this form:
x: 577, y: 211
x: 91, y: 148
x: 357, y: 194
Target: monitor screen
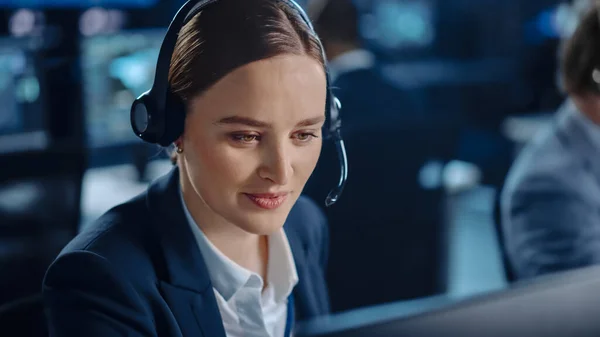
x: 76, y: 3
x: 117, y: 68
x: 399, y: 26
x: 22, y: 124
x: 561, y: 305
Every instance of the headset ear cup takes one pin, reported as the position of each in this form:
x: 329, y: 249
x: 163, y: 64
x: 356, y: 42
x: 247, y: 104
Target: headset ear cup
x: 147, y: 121
x: 153, y: 125
x: 141, y: 117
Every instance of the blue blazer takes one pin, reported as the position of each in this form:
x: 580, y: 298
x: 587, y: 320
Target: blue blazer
x: 551, y: 200
x: 139, y: 272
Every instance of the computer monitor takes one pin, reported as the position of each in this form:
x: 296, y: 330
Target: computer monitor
x: 562, y: 305
x: 22, y: 124
x: 117, y: 68
x: 76, y: 3
x: 398, y: 26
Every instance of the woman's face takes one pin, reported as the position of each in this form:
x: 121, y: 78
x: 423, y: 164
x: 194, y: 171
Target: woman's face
x: 252, y: 141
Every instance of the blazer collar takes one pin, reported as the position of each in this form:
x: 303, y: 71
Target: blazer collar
x: 187, y: 281
x: 186, y: 286
x: 184, y: 262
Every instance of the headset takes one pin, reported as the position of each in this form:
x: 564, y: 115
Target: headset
x: 158, y: 115
x: 596, y: 72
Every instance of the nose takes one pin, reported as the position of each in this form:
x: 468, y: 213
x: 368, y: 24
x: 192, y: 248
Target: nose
x: 276, y: 164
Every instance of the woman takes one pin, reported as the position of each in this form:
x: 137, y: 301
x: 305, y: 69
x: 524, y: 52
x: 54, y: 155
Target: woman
x: 203, y: 252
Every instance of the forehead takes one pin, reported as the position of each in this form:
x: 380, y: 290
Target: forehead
x: 287, y: 87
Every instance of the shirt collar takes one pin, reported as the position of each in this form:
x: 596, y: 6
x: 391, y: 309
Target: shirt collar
x: 591, y: 129
x: 228, y: 277
x: 356, y: 59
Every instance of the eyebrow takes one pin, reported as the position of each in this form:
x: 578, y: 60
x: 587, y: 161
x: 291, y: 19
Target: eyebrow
x: 260, y: 124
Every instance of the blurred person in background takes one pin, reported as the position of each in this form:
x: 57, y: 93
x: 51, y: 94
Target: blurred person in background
x: 337, y: 23
x: 551, y: 198
x: 203, y: 251
x: 368, y: 97
x: 388, y: 138
x: 571, y: 14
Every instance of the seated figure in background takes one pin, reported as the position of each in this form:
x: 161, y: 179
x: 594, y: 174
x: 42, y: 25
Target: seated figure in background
x: 551, y: 201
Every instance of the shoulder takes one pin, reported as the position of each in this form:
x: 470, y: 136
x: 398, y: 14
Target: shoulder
x: 549, y: 182
x: 103, y: 283
x: 544, y: 165
x: 120, y: 239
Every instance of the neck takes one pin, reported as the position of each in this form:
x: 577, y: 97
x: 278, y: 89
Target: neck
x: 248, y: 250
x: 588, y: 105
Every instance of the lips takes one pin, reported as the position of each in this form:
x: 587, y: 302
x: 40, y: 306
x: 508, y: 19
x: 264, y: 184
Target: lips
x: 267, y: 200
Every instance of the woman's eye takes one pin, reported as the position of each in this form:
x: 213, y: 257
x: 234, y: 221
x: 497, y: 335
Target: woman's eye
x: 305, y: 136
x: 244, y: 138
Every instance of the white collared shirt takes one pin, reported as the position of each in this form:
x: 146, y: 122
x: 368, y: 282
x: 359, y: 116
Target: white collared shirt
x: 245, y: 308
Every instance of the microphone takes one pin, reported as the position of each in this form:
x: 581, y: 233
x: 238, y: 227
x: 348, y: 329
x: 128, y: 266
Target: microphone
x: 336, y: 134
x: 336, y: 192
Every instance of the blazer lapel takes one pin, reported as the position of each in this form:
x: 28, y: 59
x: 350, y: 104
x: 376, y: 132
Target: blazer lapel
x: 185, y: 284
x: 304, y: 289
x: 196, y: 313
x: 310, y: 295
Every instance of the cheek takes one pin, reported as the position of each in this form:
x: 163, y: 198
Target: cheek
x: 308, y: 160
x: 218, y: 165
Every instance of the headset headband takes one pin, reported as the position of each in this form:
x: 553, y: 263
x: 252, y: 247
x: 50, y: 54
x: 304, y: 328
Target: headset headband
x: 183, y: 16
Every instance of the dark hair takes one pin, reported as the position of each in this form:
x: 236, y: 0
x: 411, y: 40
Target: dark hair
x: 581, y: 56
x: 336, y: 20
x: 231, y: 33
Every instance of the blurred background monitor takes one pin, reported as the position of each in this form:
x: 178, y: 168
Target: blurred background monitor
x: 22, y: 124
x: 392, y: 26
x: 117, y: 68
x: 76, y: 3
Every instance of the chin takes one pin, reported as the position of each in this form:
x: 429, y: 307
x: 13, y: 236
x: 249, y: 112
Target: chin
x: 255, y: 220
x: 262, y: 225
